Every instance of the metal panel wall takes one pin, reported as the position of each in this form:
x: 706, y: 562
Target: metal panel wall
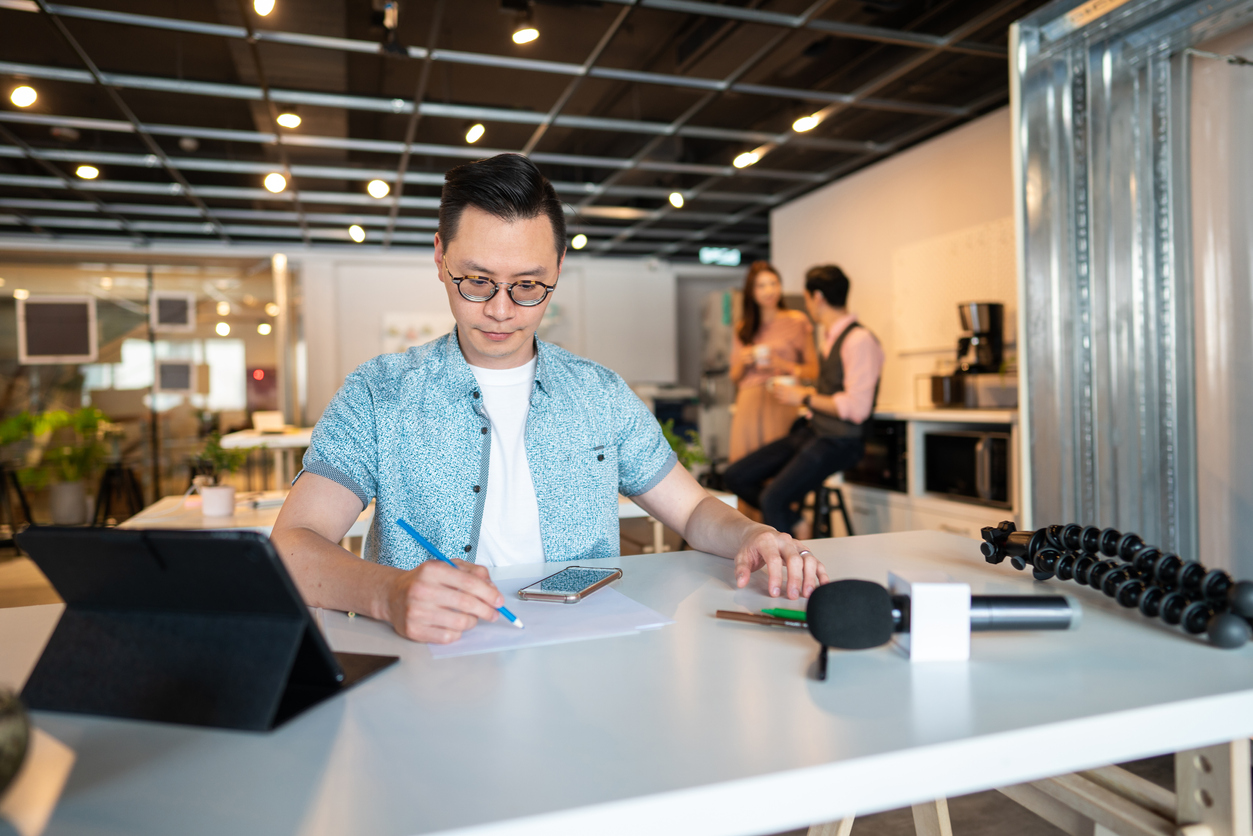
x: 1105, y: 279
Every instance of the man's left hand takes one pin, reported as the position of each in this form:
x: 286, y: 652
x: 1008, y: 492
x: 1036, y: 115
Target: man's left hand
x: 765, y: 547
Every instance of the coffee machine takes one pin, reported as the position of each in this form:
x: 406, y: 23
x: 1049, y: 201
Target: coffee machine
x: 981, y: 349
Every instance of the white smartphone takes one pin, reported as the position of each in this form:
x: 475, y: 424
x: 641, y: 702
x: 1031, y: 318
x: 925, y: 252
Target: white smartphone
x: 570, y: 585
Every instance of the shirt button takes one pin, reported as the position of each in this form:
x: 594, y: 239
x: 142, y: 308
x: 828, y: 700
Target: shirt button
x: 467, y: 548
x: 483, y: 431
x: 476, y: 488
x: 476, y: 394
x: 601, y: 457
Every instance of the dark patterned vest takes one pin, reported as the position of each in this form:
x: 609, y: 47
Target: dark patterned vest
x: 830, y: 381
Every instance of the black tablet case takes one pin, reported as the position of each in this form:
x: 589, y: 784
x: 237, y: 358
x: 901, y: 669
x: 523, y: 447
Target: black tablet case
x: 198, y: 627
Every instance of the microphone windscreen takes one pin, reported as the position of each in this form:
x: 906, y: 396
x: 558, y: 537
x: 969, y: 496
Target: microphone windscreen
x: 850, y: 615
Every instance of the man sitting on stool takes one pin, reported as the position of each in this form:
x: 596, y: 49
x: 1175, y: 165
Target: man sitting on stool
x: 830, y: 440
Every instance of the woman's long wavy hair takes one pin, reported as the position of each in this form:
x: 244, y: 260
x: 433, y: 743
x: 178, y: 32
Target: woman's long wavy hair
x: 750, y: 316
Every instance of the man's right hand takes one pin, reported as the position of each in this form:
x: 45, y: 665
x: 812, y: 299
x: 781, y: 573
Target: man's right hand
x: 437, y: 603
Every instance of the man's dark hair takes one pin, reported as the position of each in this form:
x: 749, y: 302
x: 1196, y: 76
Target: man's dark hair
x: 508, y: 186
x: 830, y: 281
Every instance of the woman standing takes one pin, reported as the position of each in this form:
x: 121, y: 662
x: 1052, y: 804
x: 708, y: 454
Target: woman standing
x: 770, y: 341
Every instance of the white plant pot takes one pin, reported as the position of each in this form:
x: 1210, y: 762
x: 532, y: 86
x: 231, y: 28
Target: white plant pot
x: 218, y: 500
x: 69, y: 503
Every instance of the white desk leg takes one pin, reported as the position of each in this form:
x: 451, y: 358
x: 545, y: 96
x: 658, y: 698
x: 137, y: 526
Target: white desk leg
x: 659, y: 539
x: 843, y: 827
x: 1213, y: 791
x: 931, y: 818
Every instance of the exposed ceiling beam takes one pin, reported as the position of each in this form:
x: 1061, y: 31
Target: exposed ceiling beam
x: 390, y: 147
x: 411, y: 129
x: 325, y: 172
x: 311, y: 197
x: 435, y: 109
x: 532, y: 65
x: 94, y: 76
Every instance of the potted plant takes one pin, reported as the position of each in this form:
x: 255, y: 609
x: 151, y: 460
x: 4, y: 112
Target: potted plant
x: 212, y: 464
x: 72, y: 451
x: 687, y: 447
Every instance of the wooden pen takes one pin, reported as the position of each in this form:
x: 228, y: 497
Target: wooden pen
x: 758, y: 618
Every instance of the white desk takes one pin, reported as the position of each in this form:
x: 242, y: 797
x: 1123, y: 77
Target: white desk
x: 283, y: 444
x: 183, y: 512
x: 702, y: 727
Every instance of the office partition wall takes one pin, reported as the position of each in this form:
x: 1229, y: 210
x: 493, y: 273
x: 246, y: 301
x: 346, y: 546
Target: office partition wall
x: 1101, y: 105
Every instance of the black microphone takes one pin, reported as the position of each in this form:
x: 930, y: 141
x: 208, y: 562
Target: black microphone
x: 856, y: 614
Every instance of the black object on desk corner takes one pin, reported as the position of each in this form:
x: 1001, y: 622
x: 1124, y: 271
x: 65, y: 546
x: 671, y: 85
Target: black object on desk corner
x: 203, y: 628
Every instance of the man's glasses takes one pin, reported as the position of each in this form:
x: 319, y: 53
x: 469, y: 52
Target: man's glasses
x: 478, y: 289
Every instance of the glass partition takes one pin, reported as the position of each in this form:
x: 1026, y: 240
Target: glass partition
x: 160, y: 385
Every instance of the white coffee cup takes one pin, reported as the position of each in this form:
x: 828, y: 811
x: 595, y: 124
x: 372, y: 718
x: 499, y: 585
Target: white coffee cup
x: 761, y: 355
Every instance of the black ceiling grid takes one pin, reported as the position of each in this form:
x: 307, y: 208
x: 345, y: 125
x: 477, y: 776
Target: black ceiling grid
x: 620, y: 102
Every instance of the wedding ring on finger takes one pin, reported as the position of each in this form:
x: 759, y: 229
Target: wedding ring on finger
x: 806, y: 552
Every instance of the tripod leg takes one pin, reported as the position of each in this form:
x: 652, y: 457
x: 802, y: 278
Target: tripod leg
x: 21, y: 498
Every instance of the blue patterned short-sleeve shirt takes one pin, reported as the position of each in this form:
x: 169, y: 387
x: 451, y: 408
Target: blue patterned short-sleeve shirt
x: 409, y: 431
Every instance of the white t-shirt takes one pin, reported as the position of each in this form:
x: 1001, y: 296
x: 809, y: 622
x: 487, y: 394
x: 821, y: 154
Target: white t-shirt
x: 510, y: 531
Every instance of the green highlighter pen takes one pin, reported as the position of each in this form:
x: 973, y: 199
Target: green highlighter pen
x: 794, y: 615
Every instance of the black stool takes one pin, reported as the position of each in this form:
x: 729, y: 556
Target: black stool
x: 10, y: 489
x: 828, y: 498
x: 119, y: 495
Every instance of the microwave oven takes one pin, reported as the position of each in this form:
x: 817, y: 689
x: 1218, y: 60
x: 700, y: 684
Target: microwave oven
x: 969, y: 466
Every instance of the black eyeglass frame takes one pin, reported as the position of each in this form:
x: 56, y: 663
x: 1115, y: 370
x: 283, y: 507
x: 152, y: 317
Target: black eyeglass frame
x: 496, y: 286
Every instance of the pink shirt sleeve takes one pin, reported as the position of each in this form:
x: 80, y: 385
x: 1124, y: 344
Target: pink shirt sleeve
x: 862, y: 357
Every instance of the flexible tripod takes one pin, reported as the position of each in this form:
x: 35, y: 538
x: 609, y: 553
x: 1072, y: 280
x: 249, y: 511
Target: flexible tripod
x: 1160, y: 584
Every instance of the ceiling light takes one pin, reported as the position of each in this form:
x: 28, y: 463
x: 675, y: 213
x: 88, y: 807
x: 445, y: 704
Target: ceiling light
x: 87, y: 172
x: 23, y: 96
x: 263, y: 7
x: 475, y: 133
x: 579, y: 241
x: 676, y: 200
x: 288, y: 120
x: 746, y: 159
x: 378, y: 189
x: 524, y: 32
x: 223, y: 329
x: 189, y: 144
x: 106, y: 281
x: 21, y: 293
x: 275, y: 182
x: 271, y: 308
x: 806, y: 123
x: 264, y: 329
x: 356, y: 233
x: 224, y: 308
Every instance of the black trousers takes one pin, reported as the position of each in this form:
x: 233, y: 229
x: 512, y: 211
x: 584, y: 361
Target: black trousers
x: 797, y: 464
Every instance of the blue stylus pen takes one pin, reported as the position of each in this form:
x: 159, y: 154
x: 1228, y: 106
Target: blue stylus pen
x: 430, y: 547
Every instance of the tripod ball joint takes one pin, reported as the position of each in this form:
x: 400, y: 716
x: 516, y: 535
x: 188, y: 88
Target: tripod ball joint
x: 1135, y: 574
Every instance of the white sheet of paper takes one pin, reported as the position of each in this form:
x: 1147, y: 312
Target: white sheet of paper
x: 606, y: 612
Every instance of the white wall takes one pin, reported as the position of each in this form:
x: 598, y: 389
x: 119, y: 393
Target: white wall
x: 618, y: 312
x: 951, y: 197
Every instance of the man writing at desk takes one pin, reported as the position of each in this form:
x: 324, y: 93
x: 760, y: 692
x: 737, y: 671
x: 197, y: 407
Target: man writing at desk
x: 500, y: 448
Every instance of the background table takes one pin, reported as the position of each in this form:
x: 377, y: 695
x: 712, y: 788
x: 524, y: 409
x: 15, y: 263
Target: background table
x: 183, y: 512
x: 284, y: 445
x: 701, y: 727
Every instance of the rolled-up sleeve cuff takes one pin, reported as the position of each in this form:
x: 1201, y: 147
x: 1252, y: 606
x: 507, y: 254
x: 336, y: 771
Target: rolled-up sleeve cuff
x: 337, y: 476
x: 661, y: 473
